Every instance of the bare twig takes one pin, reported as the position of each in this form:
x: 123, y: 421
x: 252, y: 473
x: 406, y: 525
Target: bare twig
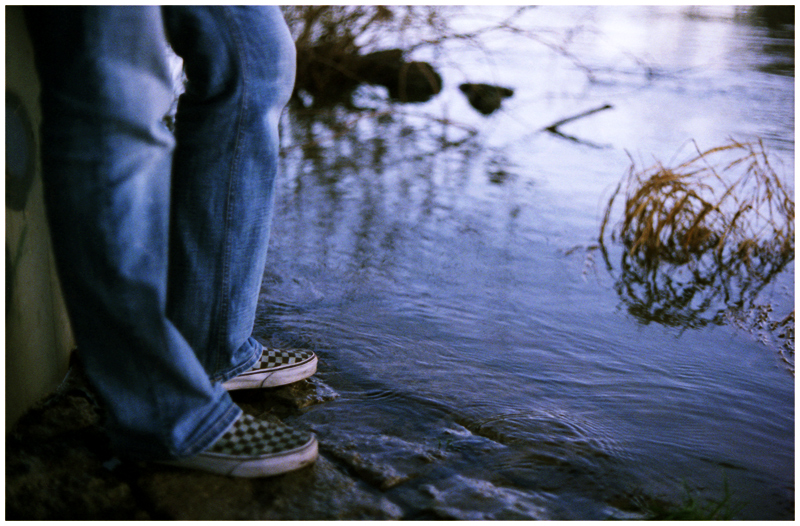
x: 553, y: 128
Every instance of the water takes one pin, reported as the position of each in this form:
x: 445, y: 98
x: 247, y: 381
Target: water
x: 485, y: 364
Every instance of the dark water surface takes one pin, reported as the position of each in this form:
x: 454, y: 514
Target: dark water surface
x: 485, y: 364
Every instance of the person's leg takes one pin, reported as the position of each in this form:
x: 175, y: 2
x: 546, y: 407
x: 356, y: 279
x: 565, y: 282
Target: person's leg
x: 239, y: 62
x: 107, y: 159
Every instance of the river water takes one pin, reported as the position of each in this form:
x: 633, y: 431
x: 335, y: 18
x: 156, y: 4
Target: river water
x: 481, y: 360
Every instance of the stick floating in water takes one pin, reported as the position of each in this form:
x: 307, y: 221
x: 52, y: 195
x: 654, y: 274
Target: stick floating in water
x: 553, y: 128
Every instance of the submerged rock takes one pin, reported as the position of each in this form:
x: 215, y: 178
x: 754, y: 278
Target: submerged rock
x: 381, y: 475
x: 485, y: 98
x: 462, y: 498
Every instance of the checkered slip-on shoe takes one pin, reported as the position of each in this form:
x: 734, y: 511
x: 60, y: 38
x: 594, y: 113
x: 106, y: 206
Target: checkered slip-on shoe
x: 254, y: 448
x: 276, y: 367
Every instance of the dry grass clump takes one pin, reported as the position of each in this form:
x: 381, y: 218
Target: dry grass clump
x: 726, y: 202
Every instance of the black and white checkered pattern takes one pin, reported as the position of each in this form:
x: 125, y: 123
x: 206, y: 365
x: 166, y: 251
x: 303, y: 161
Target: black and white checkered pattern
x: 275, y: 358
x: 274, y: 368
x: 251, y: 437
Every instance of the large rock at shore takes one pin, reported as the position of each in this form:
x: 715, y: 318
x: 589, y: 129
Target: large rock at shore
x: 406, y: 81
x: 330, y: 75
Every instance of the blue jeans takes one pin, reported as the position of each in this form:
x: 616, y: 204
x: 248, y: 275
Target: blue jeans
x: 161, y: 238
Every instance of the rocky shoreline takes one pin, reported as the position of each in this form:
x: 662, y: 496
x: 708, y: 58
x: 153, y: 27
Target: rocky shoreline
x: 59, y: 467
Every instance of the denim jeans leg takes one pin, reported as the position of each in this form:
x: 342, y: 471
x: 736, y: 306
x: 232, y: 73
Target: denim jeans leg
x: 240, y: 65
x: 106, y: 159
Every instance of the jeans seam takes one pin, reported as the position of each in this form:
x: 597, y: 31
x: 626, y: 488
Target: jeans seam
x: 222, y: 335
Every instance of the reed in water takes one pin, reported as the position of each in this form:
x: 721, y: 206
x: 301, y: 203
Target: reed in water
x: 727, y: 202
x: 702, y: 239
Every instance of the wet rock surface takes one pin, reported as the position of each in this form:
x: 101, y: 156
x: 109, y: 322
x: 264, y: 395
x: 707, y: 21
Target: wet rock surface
x: 59, y: 466
x: 374, y: 464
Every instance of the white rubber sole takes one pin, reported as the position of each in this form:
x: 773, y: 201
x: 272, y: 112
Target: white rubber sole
x: 275, y: 377
x: 252, y: 467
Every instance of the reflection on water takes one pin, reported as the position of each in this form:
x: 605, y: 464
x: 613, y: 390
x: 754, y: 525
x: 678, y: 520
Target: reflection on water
x: 484, y: 368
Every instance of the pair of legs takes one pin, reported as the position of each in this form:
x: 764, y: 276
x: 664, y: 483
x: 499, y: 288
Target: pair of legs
x: 160, y: 238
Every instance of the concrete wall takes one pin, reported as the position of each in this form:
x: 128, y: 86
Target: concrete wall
x: 38, y: 335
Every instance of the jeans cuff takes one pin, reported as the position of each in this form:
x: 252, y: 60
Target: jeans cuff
x: 244, y: 366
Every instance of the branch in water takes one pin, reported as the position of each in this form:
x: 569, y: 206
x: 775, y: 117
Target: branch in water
x: 553, y: 128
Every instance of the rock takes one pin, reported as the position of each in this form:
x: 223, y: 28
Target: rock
x: 330, y: 74
x: 307, y: 393
x: 380, y: 67
x: 485, y: 98
x: 318, y: 492
x: 462, y: 498
x: 176, y: 494
x: 375, y: 472
x: 406, y: 81
x: 326, y: 493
